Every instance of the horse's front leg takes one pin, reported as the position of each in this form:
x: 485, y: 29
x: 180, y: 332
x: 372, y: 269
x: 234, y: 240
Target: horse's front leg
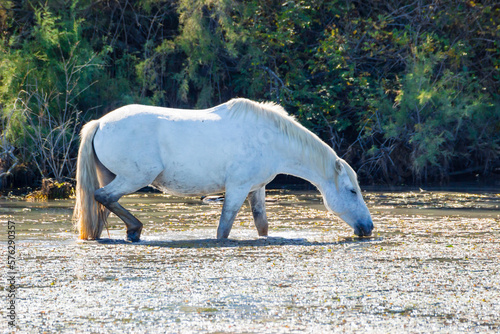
x: 233, y: 201
x: 258, y: 204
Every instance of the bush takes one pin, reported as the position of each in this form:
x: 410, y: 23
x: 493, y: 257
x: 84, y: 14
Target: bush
x: 406, y: 92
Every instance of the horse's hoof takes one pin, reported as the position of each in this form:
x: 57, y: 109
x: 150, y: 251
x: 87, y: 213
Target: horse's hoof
x: 133, y: 236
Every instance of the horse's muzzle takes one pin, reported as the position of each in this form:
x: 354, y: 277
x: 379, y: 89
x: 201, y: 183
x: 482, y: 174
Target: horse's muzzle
x: 363, y: 229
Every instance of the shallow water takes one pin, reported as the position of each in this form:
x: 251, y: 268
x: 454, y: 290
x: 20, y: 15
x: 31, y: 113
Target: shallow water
x: 432, y: 265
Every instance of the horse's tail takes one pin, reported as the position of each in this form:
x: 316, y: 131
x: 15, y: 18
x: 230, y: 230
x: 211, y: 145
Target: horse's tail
x: 89, y: 215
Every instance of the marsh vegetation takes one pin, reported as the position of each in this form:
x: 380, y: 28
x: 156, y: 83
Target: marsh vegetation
x: 406, y: 92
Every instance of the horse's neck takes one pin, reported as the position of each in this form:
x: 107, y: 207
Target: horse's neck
x: 302, y: 163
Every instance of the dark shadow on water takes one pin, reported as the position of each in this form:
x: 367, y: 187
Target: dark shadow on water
x: 228, y: 243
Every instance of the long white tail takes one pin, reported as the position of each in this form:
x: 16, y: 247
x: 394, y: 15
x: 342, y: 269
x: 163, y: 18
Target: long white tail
x: 89, y: 215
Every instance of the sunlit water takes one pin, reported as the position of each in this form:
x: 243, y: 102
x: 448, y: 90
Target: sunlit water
x: 432, y: 265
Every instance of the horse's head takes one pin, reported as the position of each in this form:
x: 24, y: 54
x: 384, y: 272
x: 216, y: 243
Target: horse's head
x: 342, y: 196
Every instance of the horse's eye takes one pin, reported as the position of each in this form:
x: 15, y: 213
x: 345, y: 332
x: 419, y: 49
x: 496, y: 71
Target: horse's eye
x: 354, y: 191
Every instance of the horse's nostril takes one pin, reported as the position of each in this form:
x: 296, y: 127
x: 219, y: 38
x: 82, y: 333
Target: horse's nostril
x: 363, y: 230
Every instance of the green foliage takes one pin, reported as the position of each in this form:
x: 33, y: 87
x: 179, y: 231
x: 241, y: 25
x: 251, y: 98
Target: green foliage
x: 435, y: 116
x: 406, y: 92
x: 439, y: 115
x: 46, y: 80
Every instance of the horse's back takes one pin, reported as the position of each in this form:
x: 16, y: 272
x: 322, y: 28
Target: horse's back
x: 142, y: 113
x: 185, y: 148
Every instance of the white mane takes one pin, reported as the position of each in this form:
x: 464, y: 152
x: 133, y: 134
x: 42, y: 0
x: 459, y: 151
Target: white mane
x: 307, y: 141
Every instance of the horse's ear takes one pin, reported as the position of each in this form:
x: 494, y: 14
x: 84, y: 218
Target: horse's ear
x: 338, y: 166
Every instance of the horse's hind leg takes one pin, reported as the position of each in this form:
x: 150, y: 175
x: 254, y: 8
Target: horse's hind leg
x: 104, y: 177
x: 258, y: 204
x: 109, y: 196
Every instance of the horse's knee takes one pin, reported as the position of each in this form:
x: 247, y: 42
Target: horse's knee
x: 258, y: 212
x: 103, y: 197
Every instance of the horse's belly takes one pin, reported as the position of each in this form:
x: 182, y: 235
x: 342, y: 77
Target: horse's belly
x: 188, y: 184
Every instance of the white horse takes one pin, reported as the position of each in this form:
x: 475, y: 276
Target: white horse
x: 237, y: 148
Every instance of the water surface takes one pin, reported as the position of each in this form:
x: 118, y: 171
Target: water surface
x: 431, y: 266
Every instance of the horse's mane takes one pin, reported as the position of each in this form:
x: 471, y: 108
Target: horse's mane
x: 308, y: 141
